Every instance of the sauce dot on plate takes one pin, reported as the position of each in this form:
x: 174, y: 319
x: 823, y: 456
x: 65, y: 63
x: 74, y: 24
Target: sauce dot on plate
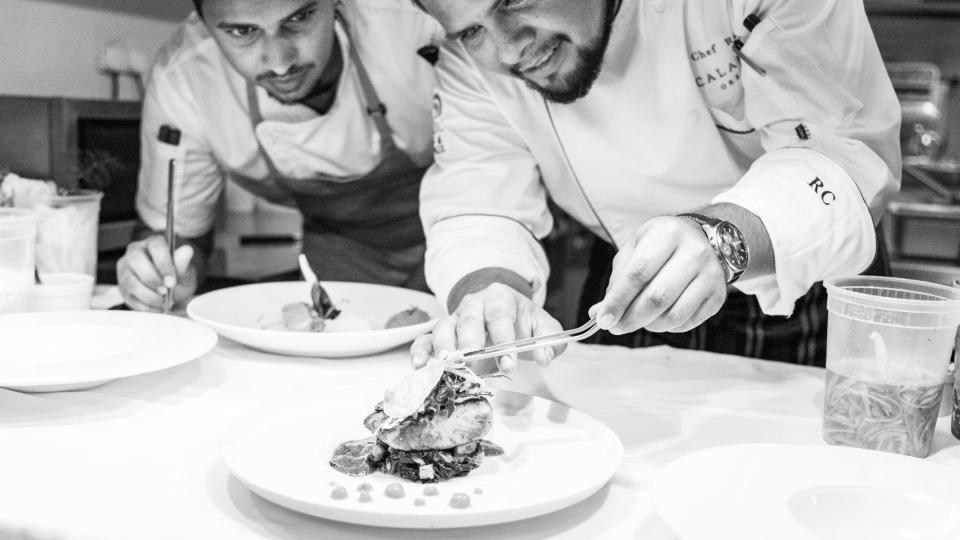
x: 419, y: 501
x: 364, y: 487
x: 431, y: 491
x: 460, y: 500
x: 394, y: 491
x: 364, y: 496
x: 478, y: 491
x: 338, y: 492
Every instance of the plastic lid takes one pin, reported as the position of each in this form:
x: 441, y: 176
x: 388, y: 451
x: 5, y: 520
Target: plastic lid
x: 894, y: 301
x: 72, y: 197
x: 17, y: 223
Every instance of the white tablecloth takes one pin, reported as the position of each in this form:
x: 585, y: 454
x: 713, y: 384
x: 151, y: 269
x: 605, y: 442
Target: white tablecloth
x: 139, y: 458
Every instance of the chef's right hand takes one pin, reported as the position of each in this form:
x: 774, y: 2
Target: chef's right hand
x: 496, y: 314
x: 145, y: 273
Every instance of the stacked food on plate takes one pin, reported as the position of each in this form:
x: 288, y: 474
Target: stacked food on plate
x: 429, y: 427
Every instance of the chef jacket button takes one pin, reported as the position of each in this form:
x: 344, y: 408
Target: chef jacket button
x: 659, y: 6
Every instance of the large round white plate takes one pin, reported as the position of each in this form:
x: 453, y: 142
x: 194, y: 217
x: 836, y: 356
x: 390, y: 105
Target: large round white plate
x: 71, y: 350
x: 554, y: 457
x: 764, y: 491
x: 240, y: 313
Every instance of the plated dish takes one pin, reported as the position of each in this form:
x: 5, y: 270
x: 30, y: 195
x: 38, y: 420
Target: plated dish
x: 282, y: 317
x: 792, y: 491
x: 72, y: 350
x: 428, y: 428
x: 553, y: 457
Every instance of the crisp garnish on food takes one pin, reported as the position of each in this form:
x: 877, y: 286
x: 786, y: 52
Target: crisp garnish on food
x: 429, y: 427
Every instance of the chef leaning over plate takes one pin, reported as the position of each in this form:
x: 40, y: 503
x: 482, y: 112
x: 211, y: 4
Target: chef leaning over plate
x: 314, y: 103
x: 735, y: 153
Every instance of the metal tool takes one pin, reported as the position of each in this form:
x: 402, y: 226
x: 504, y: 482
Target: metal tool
x: 170, y: 135
x: 567, y: 336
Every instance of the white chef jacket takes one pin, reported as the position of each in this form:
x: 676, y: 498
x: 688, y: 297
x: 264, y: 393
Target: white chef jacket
x: 675, y: 121
x: 193, y: 87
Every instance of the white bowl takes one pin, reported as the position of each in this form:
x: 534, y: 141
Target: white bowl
x: 61, y: 291
x: 247, y: 314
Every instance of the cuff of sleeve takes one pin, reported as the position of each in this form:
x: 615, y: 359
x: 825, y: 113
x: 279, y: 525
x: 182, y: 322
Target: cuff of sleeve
x: 461, y: 245
x: 817, y: 220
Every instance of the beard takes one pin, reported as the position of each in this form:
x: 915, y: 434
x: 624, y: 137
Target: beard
x: 577, y: 83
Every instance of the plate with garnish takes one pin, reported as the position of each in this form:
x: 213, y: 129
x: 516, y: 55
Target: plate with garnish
x: 435, y: 450
x: 333, y: 320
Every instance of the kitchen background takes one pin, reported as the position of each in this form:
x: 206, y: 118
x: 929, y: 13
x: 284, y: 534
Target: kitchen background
x: 88, y: 50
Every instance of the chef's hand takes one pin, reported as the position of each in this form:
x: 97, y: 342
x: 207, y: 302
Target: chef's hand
x: 145, y: 273
x: 668, y: 279
x: 496, y: 314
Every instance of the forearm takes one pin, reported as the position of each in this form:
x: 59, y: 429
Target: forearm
x: 761, y: 260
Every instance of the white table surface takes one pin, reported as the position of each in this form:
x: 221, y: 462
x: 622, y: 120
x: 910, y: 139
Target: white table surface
x: 139, y: 458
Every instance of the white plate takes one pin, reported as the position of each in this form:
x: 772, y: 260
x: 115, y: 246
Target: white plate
x: 764, y: 491
x: 239, y: 313
x: 554, y: 457
x: 71, y: 350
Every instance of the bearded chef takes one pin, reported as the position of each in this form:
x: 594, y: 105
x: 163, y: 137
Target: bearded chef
x: 732, y: 155
x: 310, y: 103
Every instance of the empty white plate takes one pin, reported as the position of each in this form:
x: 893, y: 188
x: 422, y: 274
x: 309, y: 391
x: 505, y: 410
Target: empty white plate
x: 554, y: 457
x: 783, y: 491
x: 250, y: 314
x: 71, y: 350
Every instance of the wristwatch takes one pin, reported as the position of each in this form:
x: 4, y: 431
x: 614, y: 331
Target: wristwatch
x: 727, y: 242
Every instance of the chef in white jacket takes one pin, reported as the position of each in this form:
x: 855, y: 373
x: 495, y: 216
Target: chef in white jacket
x: 313, y: 103
x: 733, y: 154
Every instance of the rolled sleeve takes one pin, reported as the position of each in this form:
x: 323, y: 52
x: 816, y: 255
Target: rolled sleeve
x: 818, y: 223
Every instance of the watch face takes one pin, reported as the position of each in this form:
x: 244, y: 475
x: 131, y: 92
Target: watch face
x: 732, y: 246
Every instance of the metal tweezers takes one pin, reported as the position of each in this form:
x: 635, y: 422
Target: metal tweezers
x: 567, y: 336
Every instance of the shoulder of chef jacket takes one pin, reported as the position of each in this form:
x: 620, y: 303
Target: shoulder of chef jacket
x: 192, y: 86
x: 808, y: 141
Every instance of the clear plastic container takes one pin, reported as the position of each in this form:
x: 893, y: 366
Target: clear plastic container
x: 18, y: 230
x: 67, y: 228
x: 889, y: 342
x: 955, y: 419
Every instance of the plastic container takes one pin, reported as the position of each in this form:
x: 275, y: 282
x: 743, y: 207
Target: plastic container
x: 67, y: 228
x: 62, y: 291
x: 955, y: 419
x: 18, y: 230
x: 889, y: 342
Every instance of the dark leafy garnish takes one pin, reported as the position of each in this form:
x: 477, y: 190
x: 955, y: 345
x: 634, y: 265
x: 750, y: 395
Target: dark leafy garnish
x: 450, y: 390
x: 427, y: 466
x: 322, y: 302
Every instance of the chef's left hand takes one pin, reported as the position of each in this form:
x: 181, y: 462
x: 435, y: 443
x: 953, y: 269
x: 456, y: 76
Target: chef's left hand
x: 668, y: 279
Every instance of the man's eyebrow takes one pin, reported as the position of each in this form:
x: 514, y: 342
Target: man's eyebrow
x: 306, y: 7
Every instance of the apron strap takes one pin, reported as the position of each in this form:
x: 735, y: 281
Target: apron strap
x: 375, y: 108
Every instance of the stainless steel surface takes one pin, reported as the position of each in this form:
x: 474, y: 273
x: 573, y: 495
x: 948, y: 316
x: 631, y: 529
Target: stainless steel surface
x: 169, y: 234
